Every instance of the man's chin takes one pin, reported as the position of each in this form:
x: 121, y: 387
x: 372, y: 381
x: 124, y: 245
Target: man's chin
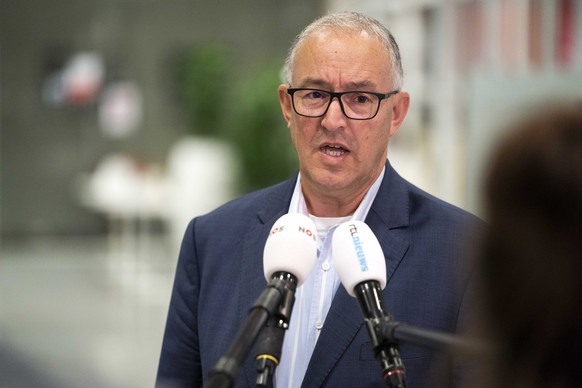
x: 331, y: 181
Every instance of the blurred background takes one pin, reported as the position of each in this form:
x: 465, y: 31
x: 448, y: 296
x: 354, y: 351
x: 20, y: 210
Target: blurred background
x: 122, y: 119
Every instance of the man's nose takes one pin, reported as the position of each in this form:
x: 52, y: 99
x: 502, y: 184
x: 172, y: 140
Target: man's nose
x: 334, y: 114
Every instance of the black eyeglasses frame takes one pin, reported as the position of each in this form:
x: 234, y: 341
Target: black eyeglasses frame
x: 381, y: 96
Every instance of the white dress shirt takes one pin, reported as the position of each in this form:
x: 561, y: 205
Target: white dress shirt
x: 313, y: 299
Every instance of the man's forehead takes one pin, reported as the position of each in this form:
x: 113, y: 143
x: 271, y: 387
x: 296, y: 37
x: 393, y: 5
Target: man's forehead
x: 333, y: 41
x: 324, y: 35
x: 333, y: 58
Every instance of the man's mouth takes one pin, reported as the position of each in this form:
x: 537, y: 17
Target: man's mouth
x: 333, y: 150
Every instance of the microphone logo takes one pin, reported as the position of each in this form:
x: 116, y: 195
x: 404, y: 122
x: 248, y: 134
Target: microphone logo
x: 358, y: 247
x: 301, y: 229
x: 290, y: 247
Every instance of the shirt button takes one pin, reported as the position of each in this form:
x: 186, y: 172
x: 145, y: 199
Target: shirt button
x: 318, y: 325
x: 325, y: 266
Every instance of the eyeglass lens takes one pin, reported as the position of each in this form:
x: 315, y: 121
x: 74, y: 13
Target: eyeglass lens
x: 357, y: 105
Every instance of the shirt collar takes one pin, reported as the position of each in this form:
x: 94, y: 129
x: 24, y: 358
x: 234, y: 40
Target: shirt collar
x: 298, y: 204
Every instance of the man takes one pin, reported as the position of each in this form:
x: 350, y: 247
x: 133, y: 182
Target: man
x: 342, y: 103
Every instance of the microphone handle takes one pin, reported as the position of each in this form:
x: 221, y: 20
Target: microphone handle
x: 433, y: 339
x: 226, y: 370
x: 369, y: 295
x: 270, y: 342
x: 269, y: 348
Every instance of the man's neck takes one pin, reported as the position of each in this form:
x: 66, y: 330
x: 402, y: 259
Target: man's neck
x: 325, y: 205
x: 325, y: 201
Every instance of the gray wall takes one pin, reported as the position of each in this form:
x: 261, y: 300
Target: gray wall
x: 43, y: 148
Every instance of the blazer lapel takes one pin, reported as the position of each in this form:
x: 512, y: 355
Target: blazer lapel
x: 252, y: 280
x: 343, y: 321
x: 389, y: 211
x: 389, y: 218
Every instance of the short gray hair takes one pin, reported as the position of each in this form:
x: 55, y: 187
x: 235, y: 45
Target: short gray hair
x: 352, y: 22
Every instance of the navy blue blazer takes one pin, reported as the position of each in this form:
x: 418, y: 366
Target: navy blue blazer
x: 220, y: 275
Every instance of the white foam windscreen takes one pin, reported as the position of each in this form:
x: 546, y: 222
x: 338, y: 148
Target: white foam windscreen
x: 357, y: 255
x: 291, y: 247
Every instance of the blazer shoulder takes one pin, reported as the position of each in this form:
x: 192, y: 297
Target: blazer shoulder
x: 267, y: 202
x: 426, y: 202
x: 401, y: 204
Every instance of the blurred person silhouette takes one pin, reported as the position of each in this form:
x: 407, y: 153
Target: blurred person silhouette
x: 342, y: 101
x: 532, y: 251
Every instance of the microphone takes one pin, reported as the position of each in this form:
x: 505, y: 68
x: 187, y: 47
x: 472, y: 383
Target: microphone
x: 289, y: 254
x: 291, y: 247
x: 361, y: 267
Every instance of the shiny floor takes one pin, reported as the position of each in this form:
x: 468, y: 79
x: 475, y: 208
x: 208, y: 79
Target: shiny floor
x: 83, y: 312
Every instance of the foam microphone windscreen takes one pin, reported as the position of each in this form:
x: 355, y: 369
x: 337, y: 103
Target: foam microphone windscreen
x: 291, y: 247
x: 357, y: 255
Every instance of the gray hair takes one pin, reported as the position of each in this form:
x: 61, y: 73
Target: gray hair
x: 352, y: 22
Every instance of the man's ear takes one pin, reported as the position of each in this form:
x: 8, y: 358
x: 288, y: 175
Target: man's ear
x: 399, y: 109
x: 286, y: 104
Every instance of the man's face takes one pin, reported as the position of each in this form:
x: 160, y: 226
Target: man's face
x: 339, y: 156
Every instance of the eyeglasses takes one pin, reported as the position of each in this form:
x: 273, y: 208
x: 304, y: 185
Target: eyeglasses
x: 355, y: 105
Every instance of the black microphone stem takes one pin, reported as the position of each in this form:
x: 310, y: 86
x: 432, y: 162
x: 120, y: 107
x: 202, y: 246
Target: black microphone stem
x: 386, y: 333
x: 369, y: 295
x: 269, y: 347
x: 432, y: 339
x: 226, y: 370
x: 270, y: 342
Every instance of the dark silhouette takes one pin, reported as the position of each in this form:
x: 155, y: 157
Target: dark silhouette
x: 532, y: 251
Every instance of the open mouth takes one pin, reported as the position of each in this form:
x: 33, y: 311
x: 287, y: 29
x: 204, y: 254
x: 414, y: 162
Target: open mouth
x: 333, y: 150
